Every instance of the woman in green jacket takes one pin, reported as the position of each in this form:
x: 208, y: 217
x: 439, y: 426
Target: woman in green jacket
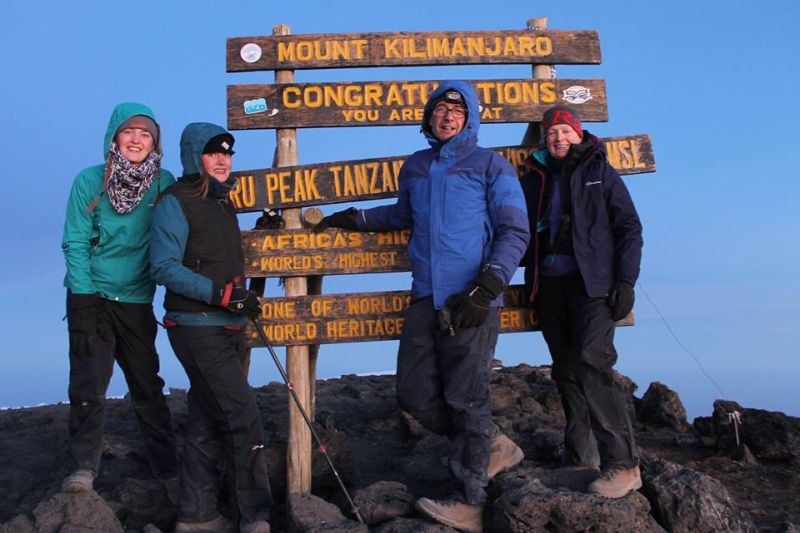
x: 110, y: 294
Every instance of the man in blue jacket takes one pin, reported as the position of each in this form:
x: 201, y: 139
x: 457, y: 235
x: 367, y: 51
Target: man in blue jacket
x: 466, y: 211
x: 579, y: 271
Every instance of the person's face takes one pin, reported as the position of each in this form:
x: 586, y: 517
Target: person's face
x: 135, y: 144
x: 447, y: 120
x: 559, y: 138
x: 217, y: 165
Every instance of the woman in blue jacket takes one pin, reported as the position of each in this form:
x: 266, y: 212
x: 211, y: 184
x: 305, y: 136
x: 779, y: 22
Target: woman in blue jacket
x: 110, y: 294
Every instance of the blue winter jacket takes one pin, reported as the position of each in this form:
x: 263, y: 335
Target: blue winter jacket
x: 606, y: 231
x: 463, y: 204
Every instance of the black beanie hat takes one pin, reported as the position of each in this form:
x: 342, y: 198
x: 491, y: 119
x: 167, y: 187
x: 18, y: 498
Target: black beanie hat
x: 220, y: 144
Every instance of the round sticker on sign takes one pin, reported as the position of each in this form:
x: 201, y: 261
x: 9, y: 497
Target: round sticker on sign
x: 577, y: 94
x: 250, y: 52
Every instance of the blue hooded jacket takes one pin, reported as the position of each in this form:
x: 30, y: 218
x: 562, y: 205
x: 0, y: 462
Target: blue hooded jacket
x: 463, y: 204
x: 107, y: 253
x: 170, y: 233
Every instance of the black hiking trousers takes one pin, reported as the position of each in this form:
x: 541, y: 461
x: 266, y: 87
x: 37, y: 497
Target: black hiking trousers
x: 579, y: 332
x: 443, y: 381
x: 223, y: 426
x: 126, y: 333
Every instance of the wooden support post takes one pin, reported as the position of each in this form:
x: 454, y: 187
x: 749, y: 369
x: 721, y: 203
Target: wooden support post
x: 311, y: 217
x: 533, y: 134
x: 298, y: 450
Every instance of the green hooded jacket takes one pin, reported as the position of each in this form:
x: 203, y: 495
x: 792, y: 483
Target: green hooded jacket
x: 108, y: 253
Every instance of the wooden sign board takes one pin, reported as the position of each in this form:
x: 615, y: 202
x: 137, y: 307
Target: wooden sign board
x: 371, y: 179
x: 290, y: 52
x: 397, y: 103
x: 366, y: 316
x: 305, y: 253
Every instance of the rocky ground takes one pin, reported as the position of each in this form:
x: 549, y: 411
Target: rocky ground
x: 697, y: 477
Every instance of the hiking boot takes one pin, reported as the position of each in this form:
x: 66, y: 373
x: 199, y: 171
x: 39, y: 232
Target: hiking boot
x: 80, y: 480
x: 617, y: 482
x: 505, y: 454
x: 219, y: 524
x: 453, y: 513
x: 256, y: 526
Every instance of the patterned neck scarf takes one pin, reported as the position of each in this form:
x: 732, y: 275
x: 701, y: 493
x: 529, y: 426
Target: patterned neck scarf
x: 128, y: 182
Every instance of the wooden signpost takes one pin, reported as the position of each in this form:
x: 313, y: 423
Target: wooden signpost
x: 300, y: 320
x: 305, y: 253
x: 344, y: 50
x: 373, y: 179
x: 398, y: 103
x: 366, y: 316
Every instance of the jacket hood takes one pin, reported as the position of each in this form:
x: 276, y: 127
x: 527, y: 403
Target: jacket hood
x: 194, y: 138
x: 473, y: 110
x: 123, y: 112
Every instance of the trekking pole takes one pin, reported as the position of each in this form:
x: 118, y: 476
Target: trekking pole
x: 322, y: 448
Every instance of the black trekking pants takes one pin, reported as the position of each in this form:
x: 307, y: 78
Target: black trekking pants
x: 579, y: 332
x: 222, y: 418
x: 443, y: 381
x: 126, y: 333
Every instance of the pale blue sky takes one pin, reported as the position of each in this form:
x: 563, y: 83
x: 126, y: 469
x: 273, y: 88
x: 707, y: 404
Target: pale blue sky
x: 712, y: 82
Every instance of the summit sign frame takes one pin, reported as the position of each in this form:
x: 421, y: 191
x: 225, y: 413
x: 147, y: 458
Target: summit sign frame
x: 342, y: 50
x: 402, y: 103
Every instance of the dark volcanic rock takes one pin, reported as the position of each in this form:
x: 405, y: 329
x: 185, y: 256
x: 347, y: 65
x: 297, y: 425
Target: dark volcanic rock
x: 68, y: 513
x: 768, y: 435
x: 383, y: 501
x: 661, y: 406
x: 686, y: 500
x: 309, y: 513
x: 387, y: 460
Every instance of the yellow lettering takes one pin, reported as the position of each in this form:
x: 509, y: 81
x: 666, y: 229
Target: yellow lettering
x: 530, y: 93
x: 390, y: 48
x: 547, y: 90
x: 612, y: 153
x: 337, y: 186
x: 475, y: 46
x: 544, y: 46
x: 439, y: 47
x: 284, y: 187
x: 372, y: 94
x: 635, y: 150
x: 300, y: 193
x: 313, y: 96
x: 274, y: 310
x: 321, y: 307
x: 285, y: 51
x: 291, y: 97
x: 244, y: 193
x: 496, y: 50
x: 510, y: 47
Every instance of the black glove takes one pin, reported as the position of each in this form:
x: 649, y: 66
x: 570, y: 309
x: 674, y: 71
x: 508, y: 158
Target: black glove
x: 620, y: 300
x: 270, y: 220
x: 471, y: 307
x: 82, y: 321
x: 341, y: 219
x: 239, y: 300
